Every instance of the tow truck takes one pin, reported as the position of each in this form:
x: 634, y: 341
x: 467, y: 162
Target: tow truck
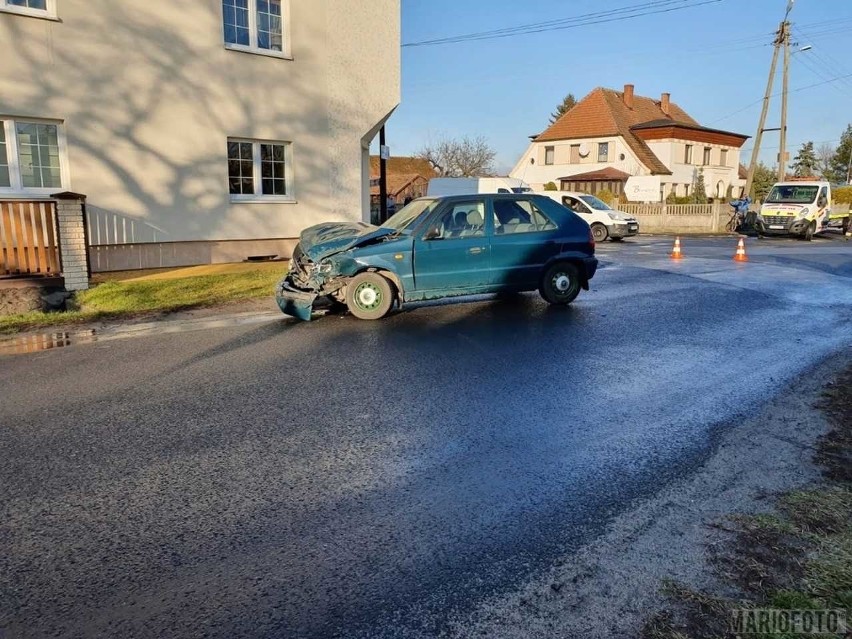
x: 801, y: 208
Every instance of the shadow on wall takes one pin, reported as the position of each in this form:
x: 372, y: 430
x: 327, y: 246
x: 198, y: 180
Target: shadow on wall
x: 118, y: 75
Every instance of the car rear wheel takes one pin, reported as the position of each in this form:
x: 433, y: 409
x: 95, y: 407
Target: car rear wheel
x: 599, y: 232
x: 560, y: 284
x: 369, y: 296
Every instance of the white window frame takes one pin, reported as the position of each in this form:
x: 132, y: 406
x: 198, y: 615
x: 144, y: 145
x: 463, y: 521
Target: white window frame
x: 49, y: 13
x: 723, y: 157
x: 606, y: 160
x: 252, y: 47
x: 258, y: 195
x: 17, y: 188
x: 549, y: 155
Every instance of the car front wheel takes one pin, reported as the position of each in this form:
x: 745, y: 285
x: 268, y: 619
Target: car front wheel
x: 599, y: 232
x: 369, y: 296
x: 560, y: 283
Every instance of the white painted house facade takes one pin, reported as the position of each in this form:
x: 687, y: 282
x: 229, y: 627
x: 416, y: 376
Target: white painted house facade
x: 200, y: 131
x: 610, y: 136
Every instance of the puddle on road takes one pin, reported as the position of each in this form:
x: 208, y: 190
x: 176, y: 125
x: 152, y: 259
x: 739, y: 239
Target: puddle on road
x: 37, y: 342
x: 45, y: 341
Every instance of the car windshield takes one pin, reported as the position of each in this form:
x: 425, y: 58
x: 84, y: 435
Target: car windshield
x: 408, y: 214
x: 792, y: 194
x: 595, y: 203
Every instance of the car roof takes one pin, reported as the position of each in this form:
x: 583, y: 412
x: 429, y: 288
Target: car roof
x: 466, y: 198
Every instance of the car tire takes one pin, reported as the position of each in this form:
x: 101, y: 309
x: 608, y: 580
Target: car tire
x: 809, y: 232
x: 560, y: 283
x: 599, y: 232
x: 369, y: 296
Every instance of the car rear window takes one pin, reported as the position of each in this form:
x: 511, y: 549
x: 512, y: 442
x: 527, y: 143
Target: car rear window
x: 519, y: 216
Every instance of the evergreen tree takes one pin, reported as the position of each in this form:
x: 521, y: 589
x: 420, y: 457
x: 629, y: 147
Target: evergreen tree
x: 764, y: 178
x: 840, y: 163
x: 568, y: 103
x: 699, y: 193
x: 805, y: 164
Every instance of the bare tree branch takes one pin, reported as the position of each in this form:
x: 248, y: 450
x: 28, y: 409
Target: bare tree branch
x: 463, y: 157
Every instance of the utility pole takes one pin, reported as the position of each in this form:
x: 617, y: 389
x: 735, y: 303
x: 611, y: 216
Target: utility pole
x: 782, y: 158
x: 782, y: 38
x: 383, y: 178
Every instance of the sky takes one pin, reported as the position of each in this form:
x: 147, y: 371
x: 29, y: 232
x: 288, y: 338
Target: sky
x: 714, y: 59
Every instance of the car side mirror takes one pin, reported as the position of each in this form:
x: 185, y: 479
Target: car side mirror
x: 432, y: 233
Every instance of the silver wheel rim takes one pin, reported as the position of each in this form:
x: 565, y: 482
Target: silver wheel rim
x: 367, y: 297
x: 561, y: 283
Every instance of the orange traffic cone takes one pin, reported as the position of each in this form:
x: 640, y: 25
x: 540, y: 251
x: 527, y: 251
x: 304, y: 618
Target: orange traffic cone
x: 740, y: 255
x: 676, y: 253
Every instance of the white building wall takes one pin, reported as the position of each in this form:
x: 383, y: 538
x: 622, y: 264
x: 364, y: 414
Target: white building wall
x: 147, y: 95
x: 537, y: 173
x: 672, y: 154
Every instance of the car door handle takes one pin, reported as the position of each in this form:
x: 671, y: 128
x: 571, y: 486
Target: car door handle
x: 476, y: 250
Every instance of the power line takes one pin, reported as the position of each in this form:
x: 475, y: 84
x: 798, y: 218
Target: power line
x: 825, y: 58
x: 600, y: 17
x: 774, y: 95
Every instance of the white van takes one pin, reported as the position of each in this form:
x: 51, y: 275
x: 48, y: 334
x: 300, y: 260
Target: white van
x: 440, y: 187
x: 604, y: 221
x: 801, y: 208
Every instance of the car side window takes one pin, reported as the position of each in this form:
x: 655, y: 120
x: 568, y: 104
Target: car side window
x: 823, y: 197
x: 519, y: 216
x: 574, y: 204
x: 466, y: 219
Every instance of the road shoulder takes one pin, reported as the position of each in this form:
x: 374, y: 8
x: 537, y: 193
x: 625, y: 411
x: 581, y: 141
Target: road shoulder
x: 609, y: 588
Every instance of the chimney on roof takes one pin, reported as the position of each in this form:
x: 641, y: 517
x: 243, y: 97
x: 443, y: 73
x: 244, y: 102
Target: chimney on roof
x: 666, y: 103
x: 628, y: 96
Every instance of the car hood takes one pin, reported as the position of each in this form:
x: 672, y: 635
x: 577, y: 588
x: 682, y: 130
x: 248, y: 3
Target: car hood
x: 326, y: 239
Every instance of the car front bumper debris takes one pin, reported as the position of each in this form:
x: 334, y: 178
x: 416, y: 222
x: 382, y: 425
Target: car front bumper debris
x: 293, y: 301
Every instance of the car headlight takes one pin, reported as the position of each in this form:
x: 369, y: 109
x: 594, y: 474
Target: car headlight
x: 804, y: 212
x: 323, y: 268
x: 615, y: 215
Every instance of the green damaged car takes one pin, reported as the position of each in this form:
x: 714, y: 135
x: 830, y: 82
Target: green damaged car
x: 442, y: 247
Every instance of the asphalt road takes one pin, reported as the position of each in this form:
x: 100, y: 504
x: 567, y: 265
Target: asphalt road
x: 364, y: 479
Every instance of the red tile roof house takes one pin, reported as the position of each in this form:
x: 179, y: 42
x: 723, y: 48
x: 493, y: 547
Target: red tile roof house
x: 612, y: 135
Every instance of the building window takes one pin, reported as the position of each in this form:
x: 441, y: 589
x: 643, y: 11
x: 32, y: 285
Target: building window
x: 687, y: 154
x: 5, y: 179
x: 30, y: 155
x: 724, y: 158
x: 603, y: 152
x: 707, y: 152
x: 36, y: 8
x: 549, y: 152
x: 575, y: 154
x: 259, y: 170
x: 256, y: 25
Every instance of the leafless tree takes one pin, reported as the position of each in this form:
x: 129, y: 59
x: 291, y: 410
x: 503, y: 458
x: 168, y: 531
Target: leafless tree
x: 462, y: 157
x: 825, y: 155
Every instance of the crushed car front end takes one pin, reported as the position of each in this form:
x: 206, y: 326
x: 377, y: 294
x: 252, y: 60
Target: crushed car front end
x: 305, y: 282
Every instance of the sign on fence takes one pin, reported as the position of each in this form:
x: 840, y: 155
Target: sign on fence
x: 643, y: 188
